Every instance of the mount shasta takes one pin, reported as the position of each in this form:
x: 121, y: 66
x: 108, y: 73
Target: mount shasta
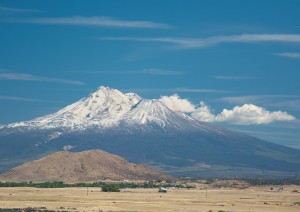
x: 146, y: 132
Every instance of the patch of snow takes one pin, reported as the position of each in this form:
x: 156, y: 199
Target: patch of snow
x: 53, y: 135
x: 68, y: 147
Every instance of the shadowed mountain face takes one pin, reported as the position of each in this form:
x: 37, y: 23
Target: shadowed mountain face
x: 87, y: 166
x: 145, y: 131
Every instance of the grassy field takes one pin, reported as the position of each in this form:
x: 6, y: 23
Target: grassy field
x: 78, y: 199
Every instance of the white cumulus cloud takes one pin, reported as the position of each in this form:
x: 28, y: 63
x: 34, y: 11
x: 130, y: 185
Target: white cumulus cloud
x: 203, y: 113
x: 243, y: 115
x: 175, y: 103
x: 246, y: 114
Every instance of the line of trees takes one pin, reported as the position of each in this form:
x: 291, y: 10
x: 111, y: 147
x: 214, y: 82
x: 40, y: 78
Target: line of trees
x: 257, y: 181
x: 270, y: 181
x: 121, y: 185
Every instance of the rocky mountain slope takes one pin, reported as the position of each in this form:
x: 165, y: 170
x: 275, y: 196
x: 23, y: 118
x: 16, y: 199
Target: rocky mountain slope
x: 87, y: 166
x: 108, y: 108
x: 146, y: 132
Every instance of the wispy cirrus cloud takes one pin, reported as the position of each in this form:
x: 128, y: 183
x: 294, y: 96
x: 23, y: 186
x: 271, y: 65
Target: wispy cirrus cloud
x: 97, y: 21
x: 177, y: 90
x: 4, y: 9
x: 291, y: 104
x: 196, y: 90
x: 156, y: 71
x: 29, y: 77
x: 233, y: 77
x: 23, y: 99
x: 184, y: 42
x: 147, y: 71
x: 256, y: 99
x: 214, y: 40
x: 295, y: 55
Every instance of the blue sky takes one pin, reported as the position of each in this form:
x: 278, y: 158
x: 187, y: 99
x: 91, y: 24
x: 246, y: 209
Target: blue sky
x: 242, y: 56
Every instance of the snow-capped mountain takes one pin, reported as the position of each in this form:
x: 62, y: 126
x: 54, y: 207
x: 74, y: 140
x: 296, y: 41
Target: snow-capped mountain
x: 148, y: 132
x: 103, y: 108
x: 110, y: 108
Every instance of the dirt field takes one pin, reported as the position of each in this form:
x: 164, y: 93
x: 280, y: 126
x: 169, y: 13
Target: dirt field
x: 76, y: 199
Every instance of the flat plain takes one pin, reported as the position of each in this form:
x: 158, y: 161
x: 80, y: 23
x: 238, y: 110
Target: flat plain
x: 92, y: 199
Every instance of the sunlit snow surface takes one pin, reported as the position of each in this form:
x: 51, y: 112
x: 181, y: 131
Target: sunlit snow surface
x: 110, y: 108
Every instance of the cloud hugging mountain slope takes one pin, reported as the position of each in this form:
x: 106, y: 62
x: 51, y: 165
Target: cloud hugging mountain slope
x: 245, y: 114
x: 147, y: 132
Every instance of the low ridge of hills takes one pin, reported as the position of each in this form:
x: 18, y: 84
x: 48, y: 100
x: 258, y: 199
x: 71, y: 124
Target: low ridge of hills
x: 86, y: 166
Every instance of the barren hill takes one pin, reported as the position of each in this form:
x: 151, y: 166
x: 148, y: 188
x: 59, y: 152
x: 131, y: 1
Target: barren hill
x: 86, y: 166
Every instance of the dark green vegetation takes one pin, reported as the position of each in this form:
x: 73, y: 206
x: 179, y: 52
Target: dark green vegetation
x: 39, y: 209
x: 108, y: 186
x: 255, y: 181
x: 198, y: 154
x: 150, y: 184
x: 268, y: 181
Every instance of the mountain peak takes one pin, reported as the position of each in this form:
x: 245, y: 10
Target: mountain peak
x: 110, y: 93
x: 101, y: 109
x: 105, y: 89
x: 110, y: 108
